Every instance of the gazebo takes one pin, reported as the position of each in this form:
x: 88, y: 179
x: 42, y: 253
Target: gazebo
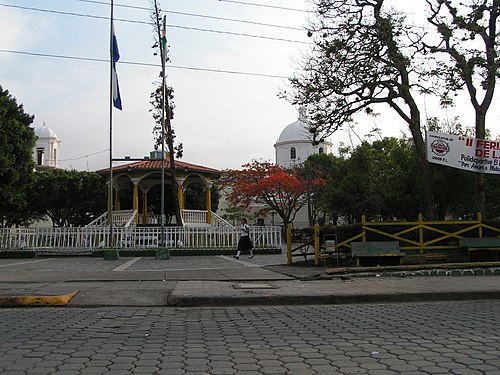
x: 143, y: 175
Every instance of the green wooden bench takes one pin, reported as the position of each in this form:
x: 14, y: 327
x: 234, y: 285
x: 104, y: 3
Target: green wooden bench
x: 376, y: 252
x: 481, y: 243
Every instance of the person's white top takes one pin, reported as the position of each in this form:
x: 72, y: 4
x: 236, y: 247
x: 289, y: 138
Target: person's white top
x: 244, y: 229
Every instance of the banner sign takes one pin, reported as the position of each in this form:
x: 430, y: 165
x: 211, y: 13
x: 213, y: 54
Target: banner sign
x: 470, y: 154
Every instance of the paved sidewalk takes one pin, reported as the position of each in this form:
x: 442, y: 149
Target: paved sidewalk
x: 216, y: 281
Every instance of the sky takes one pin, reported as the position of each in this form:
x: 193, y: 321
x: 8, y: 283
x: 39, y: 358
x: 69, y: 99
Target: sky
x: 227, y: 110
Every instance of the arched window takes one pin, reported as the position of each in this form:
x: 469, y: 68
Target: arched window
x: 293, y: 153
x: 321, y: 150
x: 39, y: 155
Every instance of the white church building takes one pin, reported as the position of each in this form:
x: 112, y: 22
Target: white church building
x: 46, y: 151
x: 293, y: 147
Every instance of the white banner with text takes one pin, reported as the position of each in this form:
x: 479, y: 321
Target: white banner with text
x: 470, y: 154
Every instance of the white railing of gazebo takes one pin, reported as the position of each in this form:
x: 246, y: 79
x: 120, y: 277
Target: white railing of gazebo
x: 78, y: 240
x: 189, y: 218
x: 123, y: 218
x: 198, y: 217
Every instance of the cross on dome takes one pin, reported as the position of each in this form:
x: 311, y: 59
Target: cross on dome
x: 302, y: 114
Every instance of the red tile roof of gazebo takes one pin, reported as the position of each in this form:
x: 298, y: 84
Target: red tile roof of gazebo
x: 156, y: 165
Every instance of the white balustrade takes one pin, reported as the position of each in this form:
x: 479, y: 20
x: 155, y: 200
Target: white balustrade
x: 121, y: 218
x: 87, y: 239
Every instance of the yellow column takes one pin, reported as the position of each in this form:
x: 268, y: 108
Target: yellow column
x: 109, y: 205
x: 135, y: 203
x: 144, y: 207
x: 180, y: 196
x: 208, y: 205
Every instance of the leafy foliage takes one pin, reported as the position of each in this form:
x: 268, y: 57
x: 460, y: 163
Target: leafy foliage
x: 262, y: 182
x: 195, y: 197
x: 162, y: 109
x: 469, y: 47
x: 17, y: 140
x: 156, y: 111
x: 378, y: 179
x: 69, y: 198
x: 362, y: 56
x: 315, y: 169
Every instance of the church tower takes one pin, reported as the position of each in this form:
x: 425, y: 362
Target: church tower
x: 46, y: 152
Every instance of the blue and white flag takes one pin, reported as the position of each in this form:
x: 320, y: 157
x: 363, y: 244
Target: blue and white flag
x: 164, y: 39
x: 117, y: 101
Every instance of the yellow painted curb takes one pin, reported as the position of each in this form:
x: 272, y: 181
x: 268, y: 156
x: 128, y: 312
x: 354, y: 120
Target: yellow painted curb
x: 62, y: 300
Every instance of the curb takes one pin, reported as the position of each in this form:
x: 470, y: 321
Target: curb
x: 344, y: 299
x: 412, y: 267
x: 60, y: 300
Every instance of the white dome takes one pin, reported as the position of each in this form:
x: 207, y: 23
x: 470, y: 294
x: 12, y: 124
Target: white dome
x: 295, y: 143
x: 296, y: 131
x: 44, y: 132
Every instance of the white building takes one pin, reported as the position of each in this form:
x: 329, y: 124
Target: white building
x: 293, y: 147
x: 46, y: 152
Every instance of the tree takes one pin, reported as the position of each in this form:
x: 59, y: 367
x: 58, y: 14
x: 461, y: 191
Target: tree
x: 374, y: 179
x: 316, y: 168
x: 378, y: 179
x: 452, y: 188
x: 233, y: 214
x: 156, y: 111
x: 17, y: 141
x: 196, y: 197
x: 262, y: 182
x: 362, y: 56
x: 162, y: 110
x: 69, y: 198
x: 469, y: 36
x: 154, y: 201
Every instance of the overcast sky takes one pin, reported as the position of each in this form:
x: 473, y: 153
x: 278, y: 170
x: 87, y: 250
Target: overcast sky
x: 222, y: 118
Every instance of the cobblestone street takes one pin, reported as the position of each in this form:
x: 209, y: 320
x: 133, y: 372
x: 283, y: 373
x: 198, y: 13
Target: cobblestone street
x: 405, y: 338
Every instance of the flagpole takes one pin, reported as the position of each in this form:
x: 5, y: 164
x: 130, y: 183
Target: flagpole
x: 111, y: 72
x: 163, y: 53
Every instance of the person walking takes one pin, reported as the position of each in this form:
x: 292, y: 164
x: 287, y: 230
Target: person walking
x: 244, y: 242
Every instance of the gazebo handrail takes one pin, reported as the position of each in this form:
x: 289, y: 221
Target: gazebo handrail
x: 220, y: 222
x: 123, y: 218
x: 191, y: 217
x: 99, y: 221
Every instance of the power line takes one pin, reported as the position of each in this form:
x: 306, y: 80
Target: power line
x: 143, y: 64
x: 196, y: 15
x: 265, y: 6
x: 239, y: 34
x: 85, y: 156
x: 149, y: 23
x: 71, y: 13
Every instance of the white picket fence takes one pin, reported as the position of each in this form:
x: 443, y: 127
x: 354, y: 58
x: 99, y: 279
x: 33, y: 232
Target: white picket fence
x: 85, y: 240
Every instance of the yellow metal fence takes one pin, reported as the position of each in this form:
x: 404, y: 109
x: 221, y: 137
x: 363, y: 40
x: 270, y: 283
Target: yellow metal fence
x: 417, y: 237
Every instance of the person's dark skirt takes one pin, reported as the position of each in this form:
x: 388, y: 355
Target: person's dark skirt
x: 245, y: 243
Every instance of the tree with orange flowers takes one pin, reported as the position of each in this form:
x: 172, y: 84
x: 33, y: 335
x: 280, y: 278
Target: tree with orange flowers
x: 279, y: 189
